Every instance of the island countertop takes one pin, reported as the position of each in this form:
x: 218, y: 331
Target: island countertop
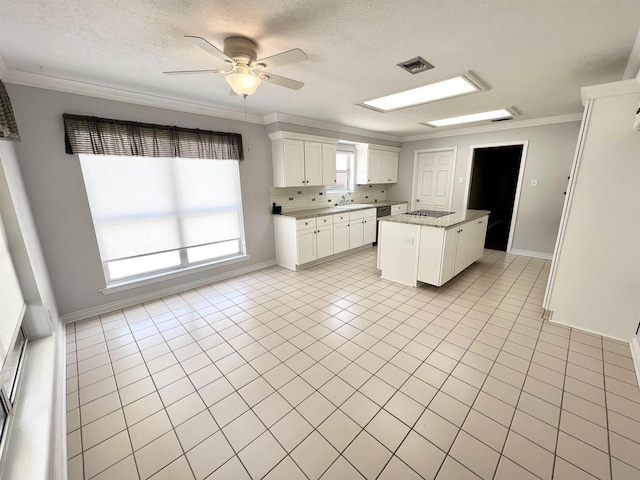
x: 446, y: 222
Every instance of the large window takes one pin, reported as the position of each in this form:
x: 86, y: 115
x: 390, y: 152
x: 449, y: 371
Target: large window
x: 161, y: 214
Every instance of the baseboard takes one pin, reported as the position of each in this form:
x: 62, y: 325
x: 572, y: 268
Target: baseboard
x: 60, y: 406
x: 635, y: 354
x: 529, y: 253
x: 313, y: 263
x: 147, y: 297
x: 593, y: 332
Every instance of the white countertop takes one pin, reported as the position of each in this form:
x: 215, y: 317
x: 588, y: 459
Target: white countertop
x: 446, y: 222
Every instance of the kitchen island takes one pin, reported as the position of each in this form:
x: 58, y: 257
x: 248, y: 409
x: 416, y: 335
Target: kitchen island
x: 431, y: 250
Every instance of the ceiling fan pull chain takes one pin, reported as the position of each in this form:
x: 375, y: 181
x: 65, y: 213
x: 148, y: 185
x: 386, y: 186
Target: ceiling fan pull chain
x: 246, y: 123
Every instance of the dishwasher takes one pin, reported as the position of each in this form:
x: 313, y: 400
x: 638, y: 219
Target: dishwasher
x: 381, y: 211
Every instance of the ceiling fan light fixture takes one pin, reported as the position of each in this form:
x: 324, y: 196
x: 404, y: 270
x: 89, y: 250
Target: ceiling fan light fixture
x: 243, y: 83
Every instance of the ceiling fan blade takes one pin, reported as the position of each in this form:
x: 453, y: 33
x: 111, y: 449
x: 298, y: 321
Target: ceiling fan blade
x: 195, y: 72
x: 206, y: 46
x: 284, y: 58
x: 282, y: 81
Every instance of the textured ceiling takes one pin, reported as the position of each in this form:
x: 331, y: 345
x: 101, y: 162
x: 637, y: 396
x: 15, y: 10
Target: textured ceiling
x: 533, y: 54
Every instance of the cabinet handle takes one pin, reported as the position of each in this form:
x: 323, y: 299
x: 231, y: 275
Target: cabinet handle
x: 480, y: 222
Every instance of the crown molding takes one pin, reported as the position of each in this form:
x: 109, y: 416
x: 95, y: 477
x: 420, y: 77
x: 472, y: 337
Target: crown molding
x: 334, y: 127
x: 536, y: 122
x: 609, y: 89
x: 65, y: 85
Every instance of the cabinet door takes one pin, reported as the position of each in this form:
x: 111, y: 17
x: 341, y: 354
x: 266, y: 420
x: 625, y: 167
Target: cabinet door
x: 328, y: 164
x: 373, y: 166
x: 465, y: 234
x: 369, y: 230
x: 294, y: 163
x: 313, y: 163
x: 481, y: 234
x: 306, y: 245
x: 356, y: 233
x: 449, y: 255
x: 324, y: 241
x: 389, y: 167
x: 340, y: 237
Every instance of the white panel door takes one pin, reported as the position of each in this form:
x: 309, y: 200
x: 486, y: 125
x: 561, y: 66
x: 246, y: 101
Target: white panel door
x: 434, y: 181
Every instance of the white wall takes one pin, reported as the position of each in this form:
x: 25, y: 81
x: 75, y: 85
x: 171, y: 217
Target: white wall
x: 54, y: 185
x: 597, y: 282
x: 548, y: 160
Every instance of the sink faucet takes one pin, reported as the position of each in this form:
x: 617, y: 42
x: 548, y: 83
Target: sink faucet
x: 344, y: 200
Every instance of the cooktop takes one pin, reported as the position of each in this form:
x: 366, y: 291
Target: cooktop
x: 430, y: 213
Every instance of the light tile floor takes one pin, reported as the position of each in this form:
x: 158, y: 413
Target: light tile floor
x: 333, y: 373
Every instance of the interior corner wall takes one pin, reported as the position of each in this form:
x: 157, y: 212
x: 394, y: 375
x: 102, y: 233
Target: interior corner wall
x: 549, y: 157
x: 56, y: 192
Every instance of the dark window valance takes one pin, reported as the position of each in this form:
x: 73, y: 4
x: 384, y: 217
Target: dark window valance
x: 102, y: 136
x: 8, y: 126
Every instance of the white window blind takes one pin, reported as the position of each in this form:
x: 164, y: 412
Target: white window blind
x: 142, y: 206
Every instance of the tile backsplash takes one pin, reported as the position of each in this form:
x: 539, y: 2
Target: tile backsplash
x: 304, y: 198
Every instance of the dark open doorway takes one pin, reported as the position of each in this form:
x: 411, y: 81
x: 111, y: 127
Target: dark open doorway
x: 494, y: 181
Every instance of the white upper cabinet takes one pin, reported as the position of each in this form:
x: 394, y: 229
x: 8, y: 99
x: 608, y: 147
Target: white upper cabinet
x: 376, y: 164
x: 328, y: 164
x: 302, y: 160
x: 389, y: 167
x: 313, y: 163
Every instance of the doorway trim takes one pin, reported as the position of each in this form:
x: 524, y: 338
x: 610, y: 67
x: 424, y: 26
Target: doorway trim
x: 516, y: 200
x: 414, y: 186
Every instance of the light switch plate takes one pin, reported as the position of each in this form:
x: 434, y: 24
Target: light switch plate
x: 534, y: 183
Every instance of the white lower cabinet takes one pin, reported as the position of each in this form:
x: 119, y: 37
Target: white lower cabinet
x: 410, y: 253
x: 369, y: 229
x: 302, y: 241
x: 400, y: 208
x: 314, y: 243
x: 324, y: 241
x: 340, y: 233
x: 460, y: 247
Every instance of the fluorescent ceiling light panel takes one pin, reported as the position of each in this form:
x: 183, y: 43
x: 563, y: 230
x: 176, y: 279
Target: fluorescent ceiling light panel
x: 429, y: 93
x: 474, y: 117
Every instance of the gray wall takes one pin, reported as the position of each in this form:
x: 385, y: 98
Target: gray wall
x: 549, y: 157
x: 54, y: 185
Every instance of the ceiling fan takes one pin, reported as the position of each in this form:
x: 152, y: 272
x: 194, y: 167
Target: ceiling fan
x: 246, y: 72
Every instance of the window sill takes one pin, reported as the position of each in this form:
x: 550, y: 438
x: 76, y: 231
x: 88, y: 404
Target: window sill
x: 121, y: 286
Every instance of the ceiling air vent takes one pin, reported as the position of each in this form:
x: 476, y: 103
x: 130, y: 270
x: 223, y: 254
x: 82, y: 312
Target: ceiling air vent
x: 416, y: 65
